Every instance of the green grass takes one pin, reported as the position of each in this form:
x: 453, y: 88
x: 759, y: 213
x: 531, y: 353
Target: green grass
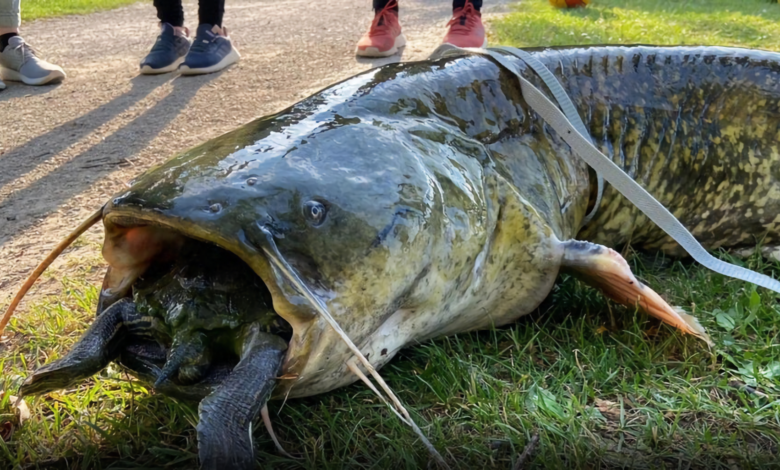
x: 602, y: 385
x: 744, y: 23
x: 35, y: 9
x: 599, y: 383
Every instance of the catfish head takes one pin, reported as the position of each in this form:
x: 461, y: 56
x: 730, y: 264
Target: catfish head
x: 345, y: 202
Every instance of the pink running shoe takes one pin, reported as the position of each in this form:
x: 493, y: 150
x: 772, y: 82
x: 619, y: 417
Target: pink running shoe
x: 466, y: 29
x: 384, y: 37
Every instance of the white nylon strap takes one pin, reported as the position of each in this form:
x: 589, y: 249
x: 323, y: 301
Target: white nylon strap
x: 566, y: 105
x: 629, y: 188
x: 555, y: 88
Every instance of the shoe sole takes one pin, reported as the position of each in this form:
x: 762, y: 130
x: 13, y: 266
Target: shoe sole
x: 14, y: 76
x: 400, y: 41
x: 229, y: 59
x: 146, y: 70
x: 484, y: 44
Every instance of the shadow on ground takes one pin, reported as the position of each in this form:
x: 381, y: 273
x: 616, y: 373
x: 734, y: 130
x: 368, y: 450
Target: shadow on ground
x: 98, y: 161
x: 20, y: 90
x: 25, y: 158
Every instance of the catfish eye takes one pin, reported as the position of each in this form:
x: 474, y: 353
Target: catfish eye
x: 315, y: 211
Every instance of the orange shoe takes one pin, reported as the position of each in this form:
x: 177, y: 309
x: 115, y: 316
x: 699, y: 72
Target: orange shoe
x: 466, y: 29
x: 384, y: 37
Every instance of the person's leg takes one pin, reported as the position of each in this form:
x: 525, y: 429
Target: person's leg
x: 172, y: 44
x: 211, y: 12
x: 465, y: 29
x: 19, y: 61
x: 212, y: 49
x: 380, y: 5
x: 456, y: 4
x: 171, y: 12
x: 10, y: 19
x: 384, y: 36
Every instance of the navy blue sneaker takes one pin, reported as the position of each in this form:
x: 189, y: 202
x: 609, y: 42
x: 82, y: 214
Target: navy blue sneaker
x: 167, y: 53
x: 211, y: 51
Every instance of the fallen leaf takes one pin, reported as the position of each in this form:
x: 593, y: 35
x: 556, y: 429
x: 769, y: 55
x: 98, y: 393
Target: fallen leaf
x: 21, y: 414
x: 609, y: 409
x: 22, y: 410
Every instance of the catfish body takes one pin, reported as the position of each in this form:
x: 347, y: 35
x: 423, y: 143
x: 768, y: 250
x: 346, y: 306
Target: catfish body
x: 423, y: 199
x: 699, y: 128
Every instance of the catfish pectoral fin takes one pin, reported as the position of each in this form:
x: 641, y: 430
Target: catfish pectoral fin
x: 97, y: 347
x: 604, y: 269
x: 224, y: 429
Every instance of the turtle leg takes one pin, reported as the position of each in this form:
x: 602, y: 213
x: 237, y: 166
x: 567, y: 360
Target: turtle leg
x: 146, y: 359
x: 96, y: 348
x: 143, y: 357
x: 226, y: 415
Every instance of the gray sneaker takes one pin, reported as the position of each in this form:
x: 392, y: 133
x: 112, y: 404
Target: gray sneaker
x: 19, y: 63
x: 2, y: 85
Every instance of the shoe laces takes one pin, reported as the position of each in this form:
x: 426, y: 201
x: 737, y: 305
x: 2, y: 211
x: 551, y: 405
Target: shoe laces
x: 464, y: 21
x: 161, y: 45
x: 204, y: 43
x: 380, y: 25
x: 25, y: 50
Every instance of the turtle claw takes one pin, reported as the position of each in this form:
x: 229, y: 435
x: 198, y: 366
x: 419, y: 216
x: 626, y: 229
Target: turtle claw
x: 96, y: 348
x: 189, y: 359
x: 226, y: 415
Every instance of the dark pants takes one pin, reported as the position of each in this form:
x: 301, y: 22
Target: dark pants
x: 379, y: 4
x: 209, y: 12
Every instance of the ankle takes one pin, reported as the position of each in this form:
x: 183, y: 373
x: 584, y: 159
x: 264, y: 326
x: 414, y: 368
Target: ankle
x: 5, y: 37
x: 390, y: 5
x: 391, y: 10
x: 459, y: 5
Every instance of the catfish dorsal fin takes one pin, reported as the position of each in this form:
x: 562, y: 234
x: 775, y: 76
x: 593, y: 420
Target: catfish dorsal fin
x: 55, y: 253
x: 604, y: 269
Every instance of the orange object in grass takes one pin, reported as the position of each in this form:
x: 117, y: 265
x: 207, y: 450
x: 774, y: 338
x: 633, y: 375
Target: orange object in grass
x: 569, y: 3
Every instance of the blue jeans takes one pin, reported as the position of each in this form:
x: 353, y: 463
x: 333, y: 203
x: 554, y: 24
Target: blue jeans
x: 10, y: 14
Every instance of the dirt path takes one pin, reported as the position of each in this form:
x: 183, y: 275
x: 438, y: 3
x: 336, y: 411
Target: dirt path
x: 64, y: 149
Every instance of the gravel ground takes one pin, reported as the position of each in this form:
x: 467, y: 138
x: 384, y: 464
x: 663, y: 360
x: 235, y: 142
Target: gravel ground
x: 64, y: 149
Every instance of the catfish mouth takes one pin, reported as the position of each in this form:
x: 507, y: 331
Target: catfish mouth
x: 137, y: 242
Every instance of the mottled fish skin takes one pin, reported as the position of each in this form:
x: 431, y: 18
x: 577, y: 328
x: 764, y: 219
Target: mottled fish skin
x: 699, y: 128
x: 447, y: 198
